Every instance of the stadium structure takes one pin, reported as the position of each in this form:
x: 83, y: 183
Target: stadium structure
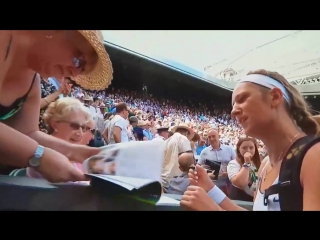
x: 295, y: 56
x: 298, y: 61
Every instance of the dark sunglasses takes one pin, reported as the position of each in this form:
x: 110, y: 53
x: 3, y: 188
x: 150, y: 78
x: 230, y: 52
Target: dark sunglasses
x: 77, y: 126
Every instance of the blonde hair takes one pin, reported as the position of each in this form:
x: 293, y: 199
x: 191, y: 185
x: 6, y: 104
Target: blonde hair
x: 298, y: 109
x: 61, y: 108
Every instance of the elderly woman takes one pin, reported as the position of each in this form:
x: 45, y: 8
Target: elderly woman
x: 78, y: 54
x: 66, y: 119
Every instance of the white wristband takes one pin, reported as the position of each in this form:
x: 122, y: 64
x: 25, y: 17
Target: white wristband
x: 217, y: 195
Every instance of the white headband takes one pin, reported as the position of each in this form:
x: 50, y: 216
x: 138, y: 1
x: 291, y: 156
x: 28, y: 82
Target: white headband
x: 267, y: 82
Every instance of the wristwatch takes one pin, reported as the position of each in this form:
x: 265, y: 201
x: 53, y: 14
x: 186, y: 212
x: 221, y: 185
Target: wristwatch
x: 246, y: 165
x: 36, y: 159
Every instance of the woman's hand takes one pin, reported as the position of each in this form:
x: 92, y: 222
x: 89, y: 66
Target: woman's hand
x: 79, y: 153
x: 200, y: 178
x: 247, y: 157
x: 65, y: 88
x: 195, y: 198
x: 56, y: 168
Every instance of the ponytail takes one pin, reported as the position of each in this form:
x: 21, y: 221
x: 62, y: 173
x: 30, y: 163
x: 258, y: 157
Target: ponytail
x: 305, y: 121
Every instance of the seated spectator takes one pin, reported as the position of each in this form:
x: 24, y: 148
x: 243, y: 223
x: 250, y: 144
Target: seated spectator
x: 133, y: 122
x: 179, y: 184
x: 242, y: 171
x: 97, y: 140
x: 66, y: 119
x: 88, y: 136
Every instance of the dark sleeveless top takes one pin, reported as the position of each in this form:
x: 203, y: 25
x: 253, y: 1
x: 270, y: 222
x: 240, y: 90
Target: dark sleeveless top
x: 7, y: 112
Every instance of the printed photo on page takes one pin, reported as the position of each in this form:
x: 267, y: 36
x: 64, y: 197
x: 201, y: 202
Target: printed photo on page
x: 103, y: 164
x: 133, y: 159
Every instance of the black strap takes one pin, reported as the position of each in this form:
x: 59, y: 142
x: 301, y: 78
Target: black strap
x: 289, y: 186
x: 34, y: 78
x: 291, y: 198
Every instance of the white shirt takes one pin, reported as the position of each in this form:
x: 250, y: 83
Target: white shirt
x: 273, y: 200
x: 176, y: 144
x: 158, y: 138
x: 122, y: 124
x: 233, y: 169
x: 92, y: 111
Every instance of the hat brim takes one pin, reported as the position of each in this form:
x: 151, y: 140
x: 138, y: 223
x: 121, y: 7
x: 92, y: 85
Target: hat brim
x: 162, y: 129
x: 101, y: 76
x: 191, y: 132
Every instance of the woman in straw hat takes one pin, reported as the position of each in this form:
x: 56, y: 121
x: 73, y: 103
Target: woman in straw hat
x: 78, y: 54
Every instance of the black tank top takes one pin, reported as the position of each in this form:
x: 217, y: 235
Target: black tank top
x: 7, y: 112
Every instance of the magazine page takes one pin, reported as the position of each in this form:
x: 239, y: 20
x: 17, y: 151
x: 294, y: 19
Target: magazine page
x: 142, y: 160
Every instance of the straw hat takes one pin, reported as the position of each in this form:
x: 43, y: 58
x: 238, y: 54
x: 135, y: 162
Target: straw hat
x: 87, y: 98
x: 163, y: 128
x: 100, y: 77
x: 184, y: 126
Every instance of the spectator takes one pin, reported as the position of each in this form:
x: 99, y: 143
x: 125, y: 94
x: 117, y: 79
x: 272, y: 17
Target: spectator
x: 177, y: 144
x: 117, y: 129
x: 179, y: 184
x: 242, y: 171
x: 65, y: 119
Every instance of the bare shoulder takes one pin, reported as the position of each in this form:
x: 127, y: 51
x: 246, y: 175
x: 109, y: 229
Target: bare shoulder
x: 310, y: 168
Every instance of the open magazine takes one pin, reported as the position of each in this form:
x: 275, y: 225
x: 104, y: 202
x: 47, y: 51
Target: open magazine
x: 132, y: 169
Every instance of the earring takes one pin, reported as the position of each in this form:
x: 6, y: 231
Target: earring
x: 56, y: 130
x: 49, y: 37
x: 76, y: 62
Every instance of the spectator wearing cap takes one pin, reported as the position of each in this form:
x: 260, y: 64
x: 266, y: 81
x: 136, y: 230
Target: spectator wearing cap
x: 133, y: 121
x: 87, y: 103
x: 162, y: 134
x: 177, y: 144
x: 138, y: 131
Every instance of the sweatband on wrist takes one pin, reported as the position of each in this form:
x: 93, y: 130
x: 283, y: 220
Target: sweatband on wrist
x: 217, y: 195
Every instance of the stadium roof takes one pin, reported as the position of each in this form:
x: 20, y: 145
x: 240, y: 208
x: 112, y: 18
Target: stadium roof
x: 295, y: 56
x: 207, y: 76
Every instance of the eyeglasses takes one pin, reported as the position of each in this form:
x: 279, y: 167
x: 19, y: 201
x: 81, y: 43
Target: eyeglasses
x: 76, y: 126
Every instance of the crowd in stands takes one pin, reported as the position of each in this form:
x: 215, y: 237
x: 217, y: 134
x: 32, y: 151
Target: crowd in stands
x: 160, y: 112
x: 147, y: 115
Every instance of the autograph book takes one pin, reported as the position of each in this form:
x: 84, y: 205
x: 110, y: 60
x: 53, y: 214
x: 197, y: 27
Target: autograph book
x: 132, y: 169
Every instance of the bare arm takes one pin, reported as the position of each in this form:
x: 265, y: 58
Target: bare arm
x: 15, y: 152
x: 27, y: 119
x: 48, y: 99
x: 239, y: 179
x: 310, y: 179
x: 117, y: 134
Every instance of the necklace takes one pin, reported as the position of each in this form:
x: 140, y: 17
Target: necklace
x: 280, y: 157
